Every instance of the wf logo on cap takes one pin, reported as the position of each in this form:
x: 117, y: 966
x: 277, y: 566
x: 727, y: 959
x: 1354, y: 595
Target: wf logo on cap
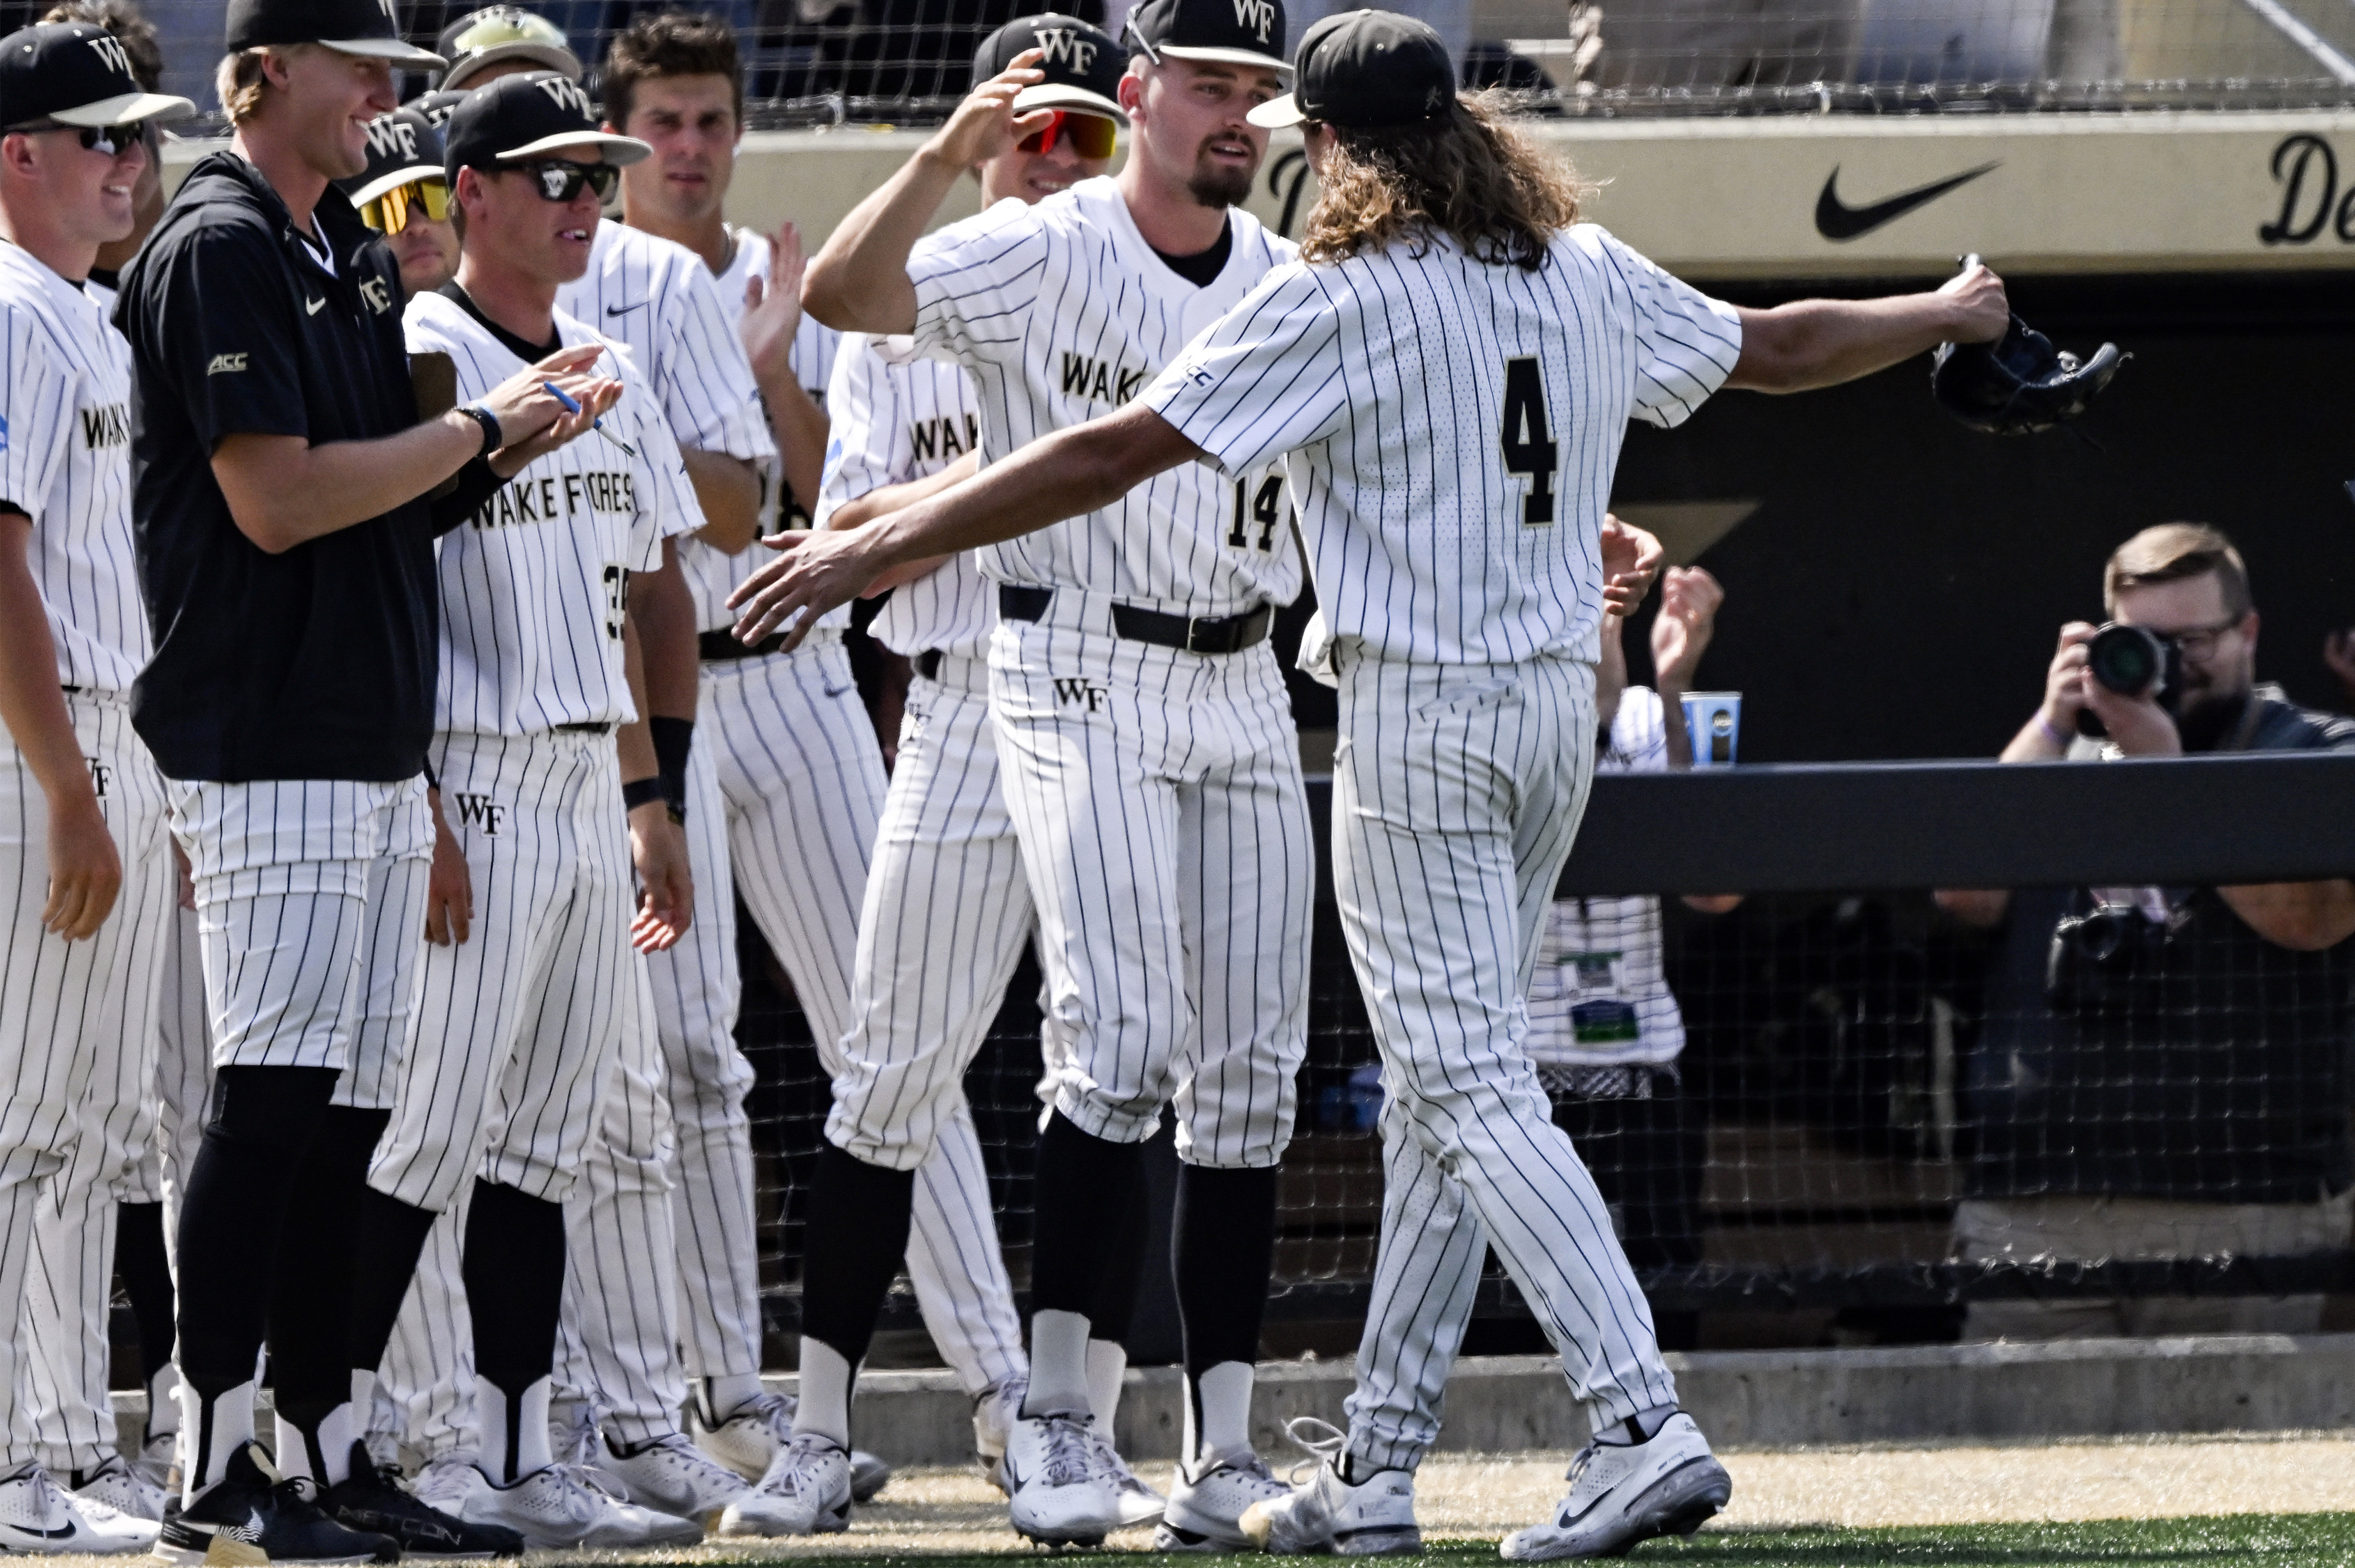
x: 1062, y: 46
x: 390, y: 15
x: 385, y: 136
x: 1259, y: 16
x: 110, y: 50
x: 565, y: 94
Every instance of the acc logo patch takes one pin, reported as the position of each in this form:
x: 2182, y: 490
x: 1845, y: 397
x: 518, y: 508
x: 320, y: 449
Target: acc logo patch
x: 225, y: 363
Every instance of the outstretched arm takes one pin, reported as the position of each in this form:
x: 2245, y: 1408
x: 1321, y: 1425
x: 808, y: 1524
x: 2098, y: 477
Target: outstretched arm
x: 1810, y: 344
x: 1075, y: 470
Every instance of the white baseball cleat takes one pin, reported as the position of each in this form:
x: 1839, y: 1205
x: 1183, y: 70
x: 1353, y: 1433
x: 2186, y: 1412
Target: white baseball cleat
x: 750, y: 1437
x: 158, y: 1456
x: 1139, y: 1503
x: 1375, y: 1517
x: 38, y: 1516
x: 120, y: 1488
x: 1621, y: 1494
x: 1057, y: 1494
x: 1205, y: 1509
x: 995, y: 1412
x: 446, y: 1480
x: 805, y: 1492
x: 670, y: 1475
x: 564, y: 1506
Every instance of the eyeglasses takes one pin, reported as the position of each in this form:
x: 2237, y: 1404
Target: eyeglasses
x: 507, y: 24
x: 390, y: 213
x: 1090, y: 135
x: 562, y: 181
x: 2199, y: 643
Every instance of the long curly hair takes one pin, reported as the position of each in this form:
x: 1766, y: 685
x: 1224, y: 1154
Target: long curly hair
x: 1470, y: 177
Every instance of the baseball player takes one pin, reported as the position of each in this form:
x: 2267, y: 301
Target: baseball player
x: 518, y: 1029
x: 1146, y: 756
x: 82, y: 802
x: 284, y: 548
x: 1467, y: 670
x: 404, y: 195
x: 947, y: 913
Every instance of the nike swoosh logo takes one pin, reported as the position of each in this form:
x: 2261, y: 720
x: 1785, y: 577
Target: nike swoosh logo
x: 1834, y: 219
x: 837, y: 690
x: 623, y: 310
x: 63, y: 1532
x: 315, y: 306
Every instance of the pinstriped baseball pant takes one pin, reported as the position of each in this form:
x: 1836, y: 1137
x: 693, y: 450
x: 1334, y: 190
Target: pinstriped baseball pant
x: 1456, y: 793
x: 77, y: 1050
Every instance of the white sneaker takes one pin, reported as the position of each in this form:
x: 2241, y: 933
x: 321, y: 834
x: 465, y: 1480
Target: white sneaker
x: 993, y: 1416
x: 1621, y: 1494
x: 447, y: 1480
x: 564, y: 1505
x: 1373, y: 1518
x: 1205, y: 1509
x: 805, y: 1492
x: 671, y: 1474
x: 1139, y: 1503
x: 749, y: 1440
x: 36, y: 1515
x: 159, y: 1456
x: 1058, y: 1494
x: 120, y: 1488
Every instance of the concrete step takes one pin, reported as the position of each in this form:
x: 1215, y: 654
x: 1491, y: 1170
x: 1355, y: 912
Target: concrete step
x: 1742, y: 1399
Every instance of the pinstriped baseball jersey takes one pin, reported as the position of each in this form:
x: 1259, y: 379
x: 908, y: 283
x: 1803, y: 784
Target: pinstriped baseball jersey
x: 898, y: 418
x: 65, y: 462
x: 660, y: 300
x: 1062, y: 311
x: 1463, y: 421
x: 539, y: 573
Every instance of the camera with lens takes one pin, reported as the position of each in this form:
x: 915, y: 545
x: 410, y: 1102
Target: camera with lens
x: 2127, y: 660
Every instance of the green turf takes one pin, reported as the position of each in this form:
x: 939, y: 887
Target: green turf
x: 2255, y: 1541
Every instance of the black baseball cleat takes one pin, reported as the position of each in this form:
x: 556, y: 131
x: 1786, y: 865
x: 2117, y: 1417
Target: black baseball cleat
x: 253, y: 1516
x: 371, y: 1501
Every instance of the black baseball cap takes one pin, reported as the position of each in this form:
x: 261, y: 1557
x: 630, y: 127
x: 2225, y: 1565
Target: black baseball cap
x: 1365, y: 68
x: 401, y: 146
x: 1082, y: 65
x: 498, y: 33
x: 72, y: 73
x: 528, y: 116
x: 1240, y: 32
x: 350, y: 26
x: 436, y: 105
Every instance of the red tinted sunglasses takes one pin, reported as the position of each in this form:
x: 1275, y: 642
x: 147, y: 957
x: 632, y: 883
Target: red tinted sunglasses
x: 1090, y: 135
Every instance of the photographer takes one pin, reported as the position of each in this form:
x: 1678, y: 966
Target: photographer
x: 2161, y: 1072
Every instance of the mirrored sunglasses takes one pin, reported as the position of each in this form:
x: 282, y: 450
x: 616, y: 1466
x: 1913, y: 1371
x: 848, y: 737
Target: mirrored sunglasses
x: 562, y: 181
x: 1090, y: 135
x: 390, y: 213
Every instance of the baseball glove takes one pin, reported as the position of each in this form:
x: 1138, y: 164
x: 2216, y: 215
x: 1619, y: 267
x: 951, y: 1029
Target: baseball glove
x: 2020, y: 385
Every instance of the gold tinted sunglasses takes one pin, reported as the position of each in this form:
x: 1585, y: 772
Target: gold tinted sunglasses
x: 390, y: 213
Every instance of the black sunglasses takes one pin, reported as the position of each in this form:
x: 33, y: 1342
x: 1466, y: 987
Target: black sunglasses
x: 111, y: 140
x: 560, y: 181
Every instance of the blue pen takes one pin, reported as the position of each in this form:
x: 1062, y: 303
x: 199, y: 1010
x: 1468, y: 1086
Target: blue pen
x: 597, y: 425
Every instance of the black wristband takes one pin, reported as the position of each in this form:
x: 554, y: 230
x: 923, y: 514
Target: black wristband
x: 643, y: 792
x: 673, y: 739
x: 492, y: 436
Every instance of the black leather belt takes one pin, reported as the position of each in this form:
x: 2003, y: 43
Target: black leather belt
x: 1194, y: 634
x: 719, y: 647
x: 928, y: 664
x: 593, y: 726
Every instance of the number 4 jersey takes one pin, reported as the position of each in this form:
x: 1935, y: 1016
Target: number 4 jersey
x: 1453, y: 428
x: 533, y: 584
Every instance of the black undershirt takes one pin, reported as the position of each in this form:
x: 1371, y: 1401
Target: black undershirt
x: 1202, y: 268
x: 513, y: 345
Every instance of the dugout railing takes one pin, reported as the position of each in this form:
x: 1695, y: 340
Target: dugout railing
x: 1832, y: 1022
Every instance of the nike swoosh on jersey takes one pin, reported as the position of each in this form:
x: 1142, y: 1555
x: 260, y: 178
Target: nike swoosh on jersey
x: 315, y: 306
x: 1834, y: 219
x: 623, y: 310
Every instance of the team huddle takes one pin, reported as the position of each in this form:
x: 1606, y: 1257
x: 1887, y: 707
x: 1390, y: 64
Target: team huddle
x: 410, y: 655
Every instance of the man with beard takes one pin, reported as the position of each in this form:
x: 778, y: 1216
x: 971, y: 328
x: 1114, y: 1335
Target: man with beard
x: 1147, y: 755
x: 2189, y: 1043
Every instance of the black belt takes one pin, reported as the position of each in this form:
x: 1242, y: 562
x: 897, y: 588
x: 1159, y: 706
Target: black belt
x: 592, y: 726
x: 1193, y: 634
x: 928, y: 664
x: 719, y: 647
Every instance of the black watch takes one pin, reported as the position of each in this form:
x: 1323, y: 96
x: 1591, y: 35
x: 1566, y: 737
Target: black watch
x: 492, y: 436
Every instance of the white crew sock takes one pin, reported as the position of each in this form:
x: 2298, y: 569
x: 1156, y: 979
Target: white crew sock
x: 1107, y: 1365
x: 515, y: 1429
x: 325, y: 1456
x: 1058, y: 1365
x: 825, y: 1407
x: 217, y: 1428
x: 163, y: 1401
x: 726, y: 1394
x: 1221, y: 1424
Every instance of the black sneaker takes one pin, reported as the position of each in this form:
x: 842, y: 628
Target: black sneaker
x: 253, y: 1515
x: 370, y: 1499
